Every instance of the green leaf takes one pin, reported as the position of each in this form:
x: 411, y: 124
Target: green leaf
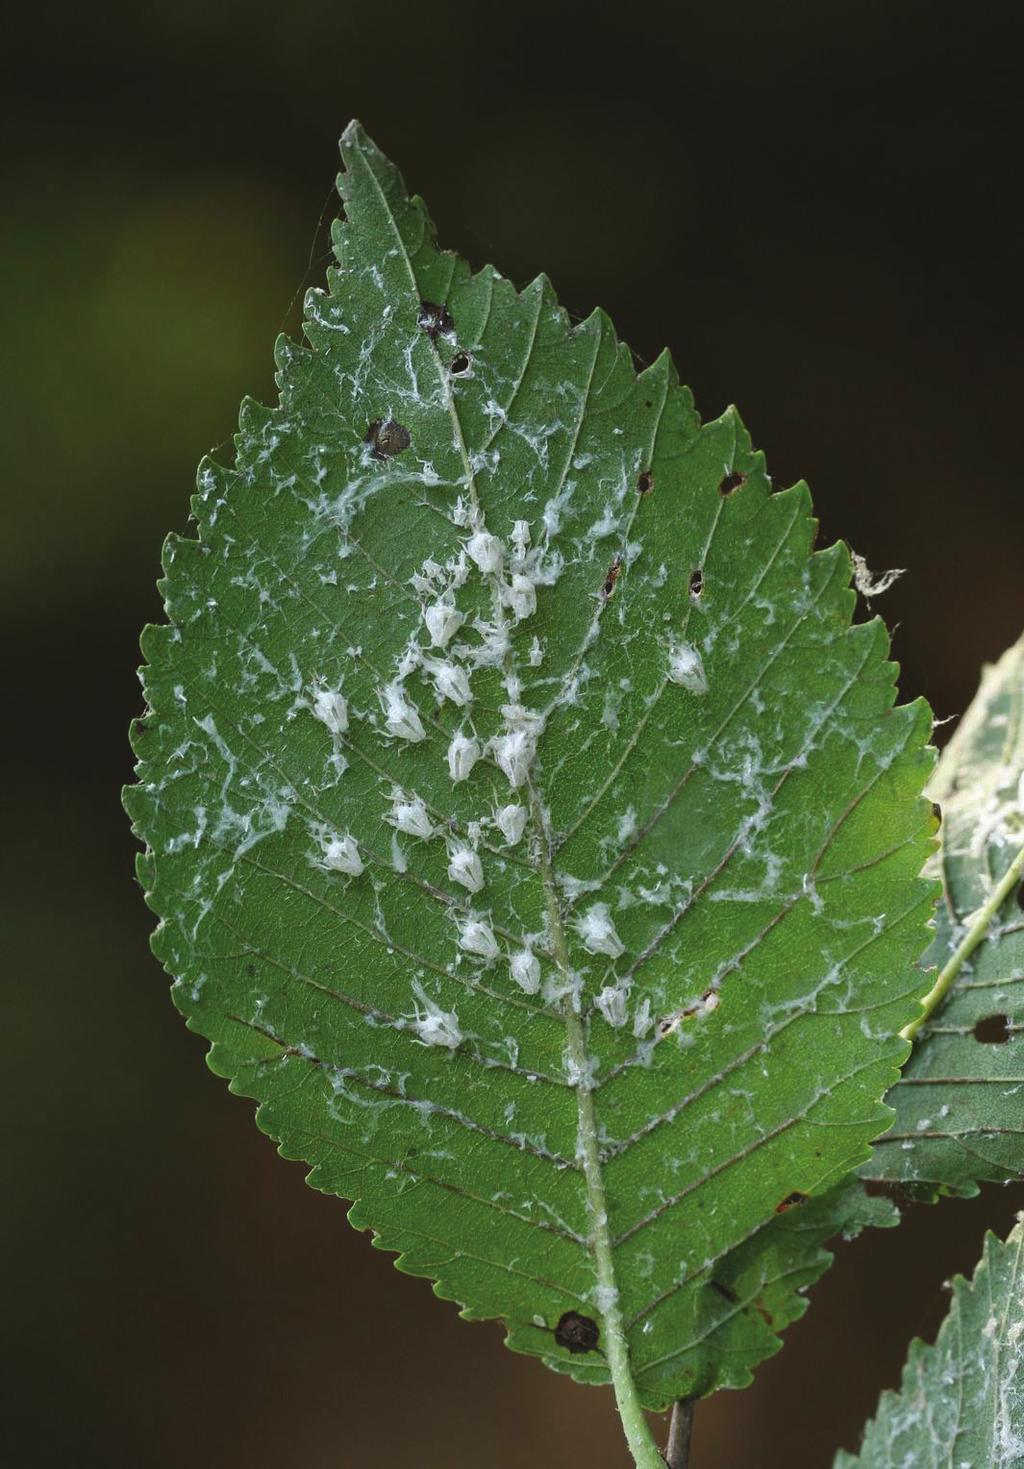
x: 530, y: 831
x: 959, y: 1120
x: 961, y: 1402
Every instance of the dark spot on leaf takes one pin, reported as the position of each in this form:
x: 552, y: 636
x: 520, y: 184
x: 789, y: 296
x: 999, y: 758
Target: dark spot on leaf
x: 791, y: 1201
x: 648, y: 403
x: 731, y: 482
x: 645, y: 484
x: 435, y: 320
x: 725, y: 1291
x: 1020, y: 897
x: 994, y: 1030
x: 696, y: 582
x: 250, y: 970
x: 577, y: 1333
x: 611, y: 578
x: 461, y: 364
x: 387, y: 438
x: 937, y: 812
x: 763, y: 1311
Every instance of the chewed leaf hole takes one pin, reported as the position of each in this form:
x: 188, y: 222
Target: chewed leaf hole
x: 696, y: 582
x: 645, y: 483
x: 706, y: 1005
x: 791, y: 1201
x: 461, y: 363
x: 435, y: 320
x: 611, y: 578
x: 577, y: 1333
x: 387, y: 438
x: 993, y: 1030
x: 730, y: 483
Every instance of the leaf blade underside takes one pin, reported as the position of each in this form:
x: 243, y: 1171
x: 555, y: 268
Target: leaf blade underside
x: 958, y: 1101
x: 961, y: 1401
x: 476, y: 598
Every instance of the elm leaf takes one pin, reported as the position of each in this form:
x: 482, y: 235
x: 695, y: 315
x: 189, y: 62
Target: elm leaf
x: 531, y: 833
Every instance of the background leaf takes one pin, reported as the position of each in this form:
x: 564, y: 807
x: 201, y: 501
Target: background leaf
x: 530, y: 831
x: 958, y: 1102
x: 962, y: 1400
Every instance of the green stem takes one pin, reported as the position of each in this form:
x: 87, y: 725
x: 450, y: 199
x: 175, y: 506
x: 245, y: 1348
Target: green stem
x: 976, y: 931
x: 646, y: 1454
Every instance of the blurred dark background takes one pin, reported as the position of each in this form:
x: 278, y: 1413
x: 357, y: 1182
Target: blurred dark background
x: 814, y: 206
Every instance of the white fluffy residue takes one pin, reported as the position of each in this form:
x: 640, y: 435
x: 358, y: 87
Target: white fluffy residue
x: 341, y: 854
x: 434, y: 1026
x: 511, y: 822
x: 409, y: 814
x: 514, y: 750
x: 686, y: 667
x: 463, y: 753
x: 401, y: 717
x: 443, y: 620
x: 611, y: 1002
x: 486, y: 550
x: 477, y: 937
x: 464, y: 868
x: 512, y: 754
x: 524, y: 967
x: 521, y: 596
x: 597, y: 931
x: 331, y: 708
x: 450, y: 681
x: 867, y: 583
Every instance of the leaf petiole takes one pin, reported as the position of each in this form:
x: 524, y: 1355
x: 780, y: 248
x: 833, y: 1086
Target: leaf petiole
x: 976, y: 931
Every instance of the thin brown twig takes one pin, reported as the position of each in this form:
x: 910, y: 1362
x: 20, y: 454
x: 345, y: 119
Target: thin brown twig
x: 677, y: 1454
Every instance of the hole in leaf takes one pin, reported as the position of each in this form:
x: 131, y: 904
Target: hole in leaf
x: 461, y: 363
x: 994, y: 1030
x: 696, y: 582
x: 645, y: 484
x: 387, y: 438
x: 577, y: 1333
x: 435, y: 320
x: 611, y: 578
x: 730, y: 483
x: 706, y: 1005
x: 791, y: 1201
